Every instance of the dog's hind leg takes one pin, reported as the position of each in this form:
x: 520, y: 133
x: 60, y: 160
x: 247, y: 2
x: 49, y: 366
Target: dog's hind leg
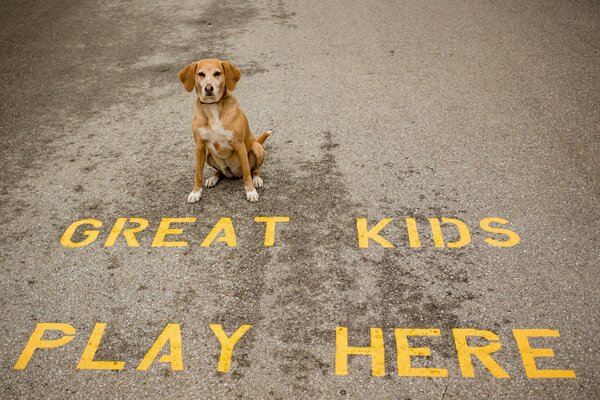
x: 217, y: 174
x: 256, y: 158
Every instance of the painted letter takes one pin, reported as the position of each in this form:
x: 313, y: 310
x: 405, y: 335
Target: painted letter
x: 513, y: 237
x: 270, y: 228
x: 438, y: 237
x: 227, y: 344
x: 91, y: 235
x: 413, y: 233
x: 226, y: 226
x: 405, y: 352
x: 171, y: 334
x: 87, y: 358
x: 164, y: 229
x: 529, y: 354
x: 482, y: 353
x: 128, y: 233
x: 364, y: 233
x: 36, y: 341
x: 376, y: 351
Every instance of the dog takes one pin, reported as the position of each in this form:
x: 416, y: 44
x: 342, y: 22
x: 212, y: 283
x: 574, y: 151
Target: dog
x: 220, y: 128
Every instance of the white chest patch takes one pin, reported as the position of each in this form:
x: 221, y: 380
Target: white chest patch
x: 218, y: 139
x: 215, y: 132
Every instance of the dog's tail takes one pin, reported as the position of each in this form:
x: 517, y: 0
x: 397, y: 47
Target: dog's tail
x: 263, y: 136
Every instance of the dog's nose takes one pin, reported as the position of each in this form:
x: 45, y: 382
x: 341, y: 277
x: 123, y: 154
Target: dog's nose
x: 208, y: 88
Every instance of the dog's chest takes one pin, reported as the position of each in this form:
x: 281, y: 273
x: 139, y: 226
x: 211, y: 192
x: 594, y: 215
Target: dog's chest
x: 217, y: 138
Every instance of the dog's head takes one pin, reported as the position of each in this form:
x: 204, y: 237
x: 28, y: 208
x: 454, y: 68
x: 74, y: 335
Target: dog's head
x: 210, y: 78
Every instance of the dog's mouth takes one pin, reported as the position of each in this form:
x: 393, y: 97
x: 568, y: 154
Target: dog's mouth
x: 210, y: 97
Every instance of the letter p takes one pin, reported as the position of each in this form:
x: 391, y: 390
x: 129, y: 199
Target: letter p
x: 36, y: 341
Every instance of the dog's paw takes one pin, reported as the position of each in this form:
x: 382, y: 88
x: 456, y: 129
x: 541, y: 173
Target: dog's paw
x: 257, y: 181
x: 194, y: 196
x: 252, y: 196
x: 212, y: 181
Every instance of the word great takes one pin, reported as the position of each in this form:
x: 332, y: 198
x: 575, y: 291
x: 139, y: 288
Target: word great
x: 222, y: 231
x: 86, y: 231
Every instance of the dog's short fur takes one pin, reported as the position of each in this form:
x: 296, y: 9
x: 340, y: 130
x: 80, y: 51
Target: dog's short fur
x: 220, y: 128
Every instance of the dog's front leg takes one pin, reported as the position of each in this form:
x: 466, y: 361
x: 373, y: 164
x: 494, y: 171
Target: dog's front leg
x: 194, y: 196
x: 242, y: 154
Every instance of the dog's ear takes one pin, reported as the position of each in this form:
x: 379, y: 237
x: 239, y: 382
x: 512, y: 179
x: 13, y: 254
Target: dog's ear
x: 187, y: 76
x: 232, y: 75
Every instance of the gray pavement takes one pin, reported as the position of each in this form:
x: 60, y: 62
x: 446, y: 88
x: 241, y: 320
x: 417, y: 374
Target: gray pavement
x: 380, y: 109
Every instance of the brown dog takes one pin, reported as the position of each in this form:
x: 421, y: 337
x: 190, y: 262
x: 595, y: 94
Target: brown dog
x: 221, y: 132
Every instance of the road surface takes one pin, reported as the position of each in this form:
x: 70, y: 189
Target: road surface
x: 401, y: 110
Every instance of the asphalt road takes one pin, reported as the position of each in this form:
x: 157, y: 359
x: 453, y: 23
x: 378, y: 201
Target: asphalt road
x: 380, y: 109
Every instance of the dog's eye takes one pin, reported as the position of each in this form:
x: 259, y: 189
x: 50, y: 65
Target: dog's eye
x: 202, y: 74
x: 217, y: 73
